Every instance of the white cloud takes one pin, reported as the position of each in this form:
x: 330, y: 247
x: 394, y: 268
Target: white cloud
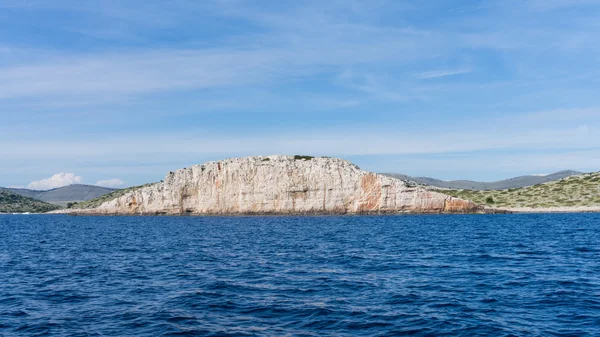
x: 57, y: 180
x: 112, y: 183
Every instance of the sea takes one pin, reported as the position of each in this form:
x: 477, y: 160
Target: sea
x: 417, y: 275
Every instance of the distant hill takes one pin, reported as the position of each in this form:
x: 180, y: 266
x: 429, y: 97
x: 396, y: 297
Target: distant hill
x: 15, y: 203
x: 582, y: 190
x: 517, y: 182
x: 63, y: 195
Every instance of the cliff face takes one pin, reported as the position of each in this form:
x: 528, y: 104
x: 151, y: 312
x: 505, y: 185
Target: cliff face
x: 280, y: 185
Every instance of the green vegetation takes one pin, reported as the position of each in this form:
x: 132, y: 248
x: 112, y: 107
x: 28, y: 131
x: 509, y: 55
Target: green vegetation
x: 110, y: 196
x: 581, y: 190
x: 14, y: 203
x: 71, y: 204
x: 298, y: 157
x: 410, y: 184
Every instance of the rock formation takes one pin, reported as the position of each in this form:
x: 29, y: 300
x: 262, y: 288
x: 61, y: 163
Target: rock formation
x: 280, y: 185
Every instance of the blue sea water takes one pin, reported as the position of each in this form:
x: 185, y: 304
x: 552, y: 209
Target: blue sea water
x: 471, y: 275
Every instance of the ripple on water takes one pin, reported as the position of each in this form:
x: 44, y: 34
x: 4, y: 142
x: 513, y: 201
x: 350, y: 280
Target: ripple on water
x: 502, y: 275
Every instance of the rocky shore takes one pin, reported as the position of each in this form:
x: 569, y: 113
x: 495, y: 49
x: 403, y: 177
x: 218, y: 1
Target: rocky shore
x: 278, y: 185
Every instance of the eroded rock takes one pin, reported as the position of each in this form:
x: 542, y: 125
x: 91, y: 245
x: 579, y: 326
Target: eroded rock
x: 280, y: 185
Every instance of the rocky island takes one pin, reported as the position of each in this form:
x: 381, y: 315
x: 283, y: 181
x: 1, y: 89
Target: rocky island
x: 276, y: 185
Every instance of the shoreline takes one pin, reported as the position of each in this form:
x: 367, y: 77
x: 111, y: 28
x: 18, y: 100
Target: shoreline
x: 552, y: 210
x: 486, y: 211
x: 264, y: 214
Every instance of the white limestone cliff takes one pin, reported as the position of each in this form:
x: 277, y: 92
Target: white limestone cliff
x: 279, y: 185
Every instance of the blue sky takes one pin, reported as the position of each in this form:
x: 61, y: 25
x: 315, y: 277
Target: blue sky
x: 124, y: 91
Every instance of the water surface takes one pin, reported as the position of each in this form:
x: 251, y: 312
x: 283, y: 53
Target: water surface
x: 495, y: 275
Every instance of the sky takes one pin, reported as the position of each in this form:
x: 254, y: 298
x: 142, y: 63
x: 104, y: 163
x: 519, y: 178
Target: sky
x: 118, y: 93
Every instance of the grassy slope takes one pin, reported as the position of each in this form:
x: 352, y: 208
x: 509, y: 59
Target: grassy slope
x: 107, y: 197
x: 581, y: 190
x: 15, y: 203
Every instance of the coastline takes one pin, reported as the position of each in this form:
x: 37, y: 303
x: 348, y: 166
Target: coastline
x: 562, y: 209
x: 92, y: 212
x: 486, y: 211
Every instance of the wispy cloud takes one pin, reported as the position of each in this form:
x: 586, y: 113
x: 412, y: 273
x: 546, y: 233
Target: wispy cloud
x: 477, y: 135
x: 443, y: 73
x: 189, y: 79
x: 371, y: 85
x: 169, y: 70
x: 112, y: 183
x: 557, y: 4
x: 314, y: 43
x: 136, y: 73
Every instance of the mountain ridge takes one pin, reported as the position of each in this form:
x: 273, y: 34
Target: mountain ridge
x: 64, y: 195
x: 515, y: 182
